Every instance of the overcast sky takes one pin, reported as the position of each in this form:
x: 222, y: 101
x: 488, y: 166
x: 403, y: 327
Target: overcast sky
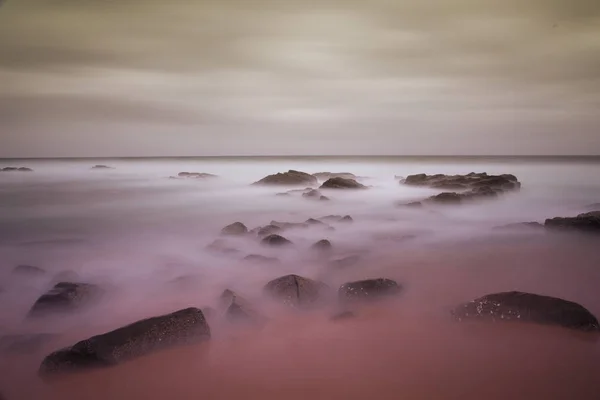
x: 227, y: 77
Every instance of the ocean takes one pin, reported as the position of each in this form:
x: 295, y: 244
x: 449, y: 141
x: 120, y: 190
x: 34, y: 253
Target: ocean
x: 143, y: 237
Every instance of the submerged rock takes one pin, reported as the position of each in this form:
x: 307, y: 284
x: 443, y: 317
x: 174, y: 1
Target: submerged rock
x: 323, y: 176
x: 341, y: 183
x: 268, y: 230
x: 195, y: 175
x: 324, y: 198
x: 238, y: 309
x: 296, y: 291
x: 237, y: 228
x: 25, y: 343
x: 257, y: 258
x: 322, y: 245
x: 65, y: 296
x: 587, y: 222
x: 528, y: 307
x: 222, y: 246
x: 336, y: 218
x: 276, y: 240
x: 16, y: 169
x: 313, y: 193
x: 101, y: 167
x: 291, y: 177
x: 183, y: 327
x: 28, y: 270
x: 369, y: 289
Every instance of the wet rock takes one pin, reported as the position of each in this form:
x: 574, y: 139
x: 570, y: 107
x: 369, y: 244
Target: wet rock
x: 369, y: 289
x: 345, y: 262
x: 28, y: 270
x: 296, y: 291
x: 520, y: 226
x: 472, y: 180
x: 291, y: 177
x: 195, y: 175
x: 323, y: 176
x: 237, y: 228
x: 102, y: 167
x: 26, y: 343
x: 528, y: 307
x: 343, y: 315
x: 446, y: 198
x: 183, y: 327
x: 322, y: 245
x: 238, y: 309
x: 276, y: 241
x: 65, y: 296
x: 260, y: 259
x: 587, y: 222
x: 341, y: 183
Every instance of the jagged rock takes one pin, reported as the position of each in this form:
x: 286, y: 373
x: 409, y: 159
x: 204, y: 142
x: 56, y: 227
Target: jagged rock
x: 297, y: 291
x: 28, y: 270
x: 238, y: 309
x: 341, y: 183
x: 268, y: 230
x: 368, y: 289
x: 521, y: 225
x: 323, y: 176
x: 312, y: 221
x: 237, y: 228
x: 322, y: 245
x: 183, y: 327
x: 587, y: 222
x: 472, y: 180
x: 528, y: 307
x: 343, y: 315
x: 257, y: 258
x: 313, y: 193
x: 344, y: 262
x: 102, y: 167
x: 195, y: 175
x: 446, y: 198
x: 25, y: 343
x: 288, y: 178
x: 65, y: 296
x: 276, y: 240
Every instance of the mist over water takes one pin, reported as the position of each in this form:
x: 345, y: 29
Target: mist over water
x: 143, y: 238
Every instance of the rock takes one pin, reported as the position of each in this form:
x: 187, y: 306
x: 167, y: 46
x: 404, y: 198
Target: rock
x: 587, y: 222
x: 16, y: 169
x: 413, y: 204
x: 472, y: 180
x: 343, y: 315
x: 322, y: 245
x: 238, y: 309
x: 28, y: 270
x: 276, y: 240
x: 521, y: 225
x: 324, y: 198
x: 446, y: 198
x: 346, y: 218
x: 268, y: 230
x: 259, y: 259
x: 337, y: 218
x: 344, y: 262
x: 65, y: 296
x: 195, y: 175
x: 282, y: 194
x: 312, y: 221
x: 102, y: 167
x: 24, y: 169
x: 25, y: 344
x: 312, y: 194
x: 369, y: 289
x: 528, y: 307
x: 183, y: 327
x: 288, y: 178
x: 323, y: 176
x: 222, y: 246
x: 289, y: 225
x: 296, y: 291
x: 237, y: 228
x: 341, y: 183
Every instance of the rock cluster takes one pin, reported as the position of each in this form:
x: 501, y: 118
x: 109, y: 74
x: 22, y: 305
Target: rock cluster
x: 16, y: 169
x: 587, y: 222
x: 342, y: 183
x: 291, y: 178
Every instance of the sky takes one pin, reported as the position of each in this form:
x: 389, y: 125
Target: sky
x: 85, y: 78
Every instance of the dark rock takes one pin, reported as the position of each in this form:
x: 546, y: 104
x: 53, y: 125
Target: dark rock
x: 313, y: 193
x: 237, y: 228
x: 24, y: 169
x: 472, y: 180
x: 288, y: 178
x: 268, y: 230
x: 346, y: 218
x: 323, y: 176
x: 290, y: 225
x: 312, y: 221
x: 65, y: 296
x: 238, y: 309
x: 341, y: 183
x: 587, y: 222
x: 414, y: 204
x: 222, y: 246
x: 257, y: 258
x: 15, y: 169
x: 369, y: 289
x: 343, y: 315
x: 29, y: 270
x: 296, y: 291
x: 322, y: 245
x: 344, y: 262
x: 276, y: 240
x: 521, y: 225
x: 446, y: 198
x: 102, y: 167
x: 282, y: 194
x: 183, y: 327
x: 195, y: 175
x: 528, y: 307
x: 25, y: 344
x: 337, y: 218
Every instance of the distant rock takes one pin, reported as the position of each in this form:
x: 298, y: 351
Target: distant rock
x: 284, y: 194
x: 102, y: 167
x: 520, y: 225
x: 183, y: 327
x: 238, y: 309
x: 413, y: 204
x: 312, y: 221
x: 473, y: 194
x: 28, y: 270
x: 25, y: 343
x: 346, y: 218
x: 343, y: 315
x: 313, y: 193
x: 297, y: 291
x: 500, y: 183
x: 322, y: 245
x: 16, y: 169
x: 527, y: 307
x: 65, y: 296
x: 341, y: 183
x: 324, y: 198
x: 268, y: 230
x: 260, y: 259
x: 237, y: 228
x: 369, y: 289
x: 276, y: 241
x: 291, y: 178
x: 336, y: 218
x: 344, y: 262
x: 222, y: 246
x: 587, y: 222
x: 323, y: 176
x: 195, y: 175
x: 290, y: 225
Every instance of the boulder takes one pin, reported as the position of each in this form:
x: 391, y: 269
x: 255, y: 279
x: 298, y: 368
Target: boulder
x: 296, y: 291
x: 222, y: 246
x: 342, y: 183
x: 260, y: 259
x: 472, y: 180
x: 28, y: 270
x: 369, y: 289
x: 183, y: 327
x: 527, y: 307
x: 288, y: 178
x: 268, y: 230
x: 323, y: 176
x: 25, y: 343
x: 313, y: 193
x: 312, y: 221
x: 102, y: 167
x: 322, y: 245
x: 238, y: 309
x: 413, y: 204
x: 276, y: 241
x: 65, y: 296
x: 195, y: 175
x: 446, y: 198
x: 587, y: 222
x: 237, y: 228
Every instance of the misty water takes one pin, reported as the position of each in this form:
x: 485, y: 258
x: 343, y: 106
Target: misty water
x: 143, y: 237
